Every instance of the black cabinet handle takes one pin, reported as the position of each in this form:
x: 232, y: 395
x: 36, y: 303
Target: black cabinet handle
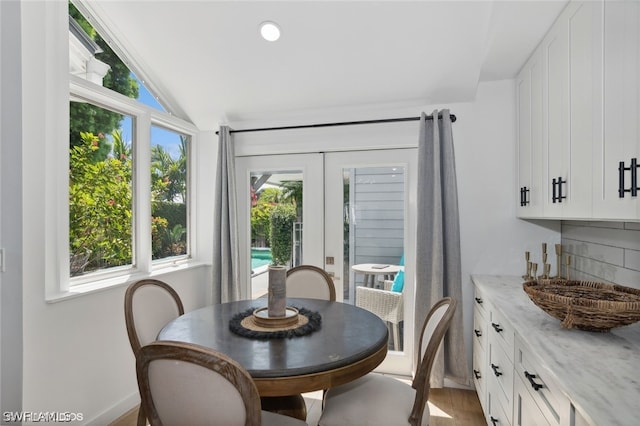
x: 478, y: 301
x: 556, y: 186
x: 531, y: 377
x: 521, y: 196
x: 634, y: 177
x: 621, y: 170
x: 633, y: 168
x: 524, y: 196
x: 477, y: 374
x: 494, y: 421
x: 478, y: 332
x: 495, y: 370
x: 496, y: 327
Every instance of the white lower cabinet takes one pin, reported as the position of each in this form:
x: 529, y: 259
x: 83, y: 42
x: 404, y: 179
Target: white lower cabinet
x: 513, y: 384
x: 536, y: 372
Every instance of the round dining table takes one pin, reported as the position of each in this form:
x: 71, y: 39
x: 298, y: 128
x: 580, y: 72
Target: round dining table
x: 350, y: 343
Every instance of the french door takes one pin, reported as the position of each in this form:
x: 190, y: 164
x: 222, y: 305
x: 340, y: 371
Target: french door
x: 352, y: 208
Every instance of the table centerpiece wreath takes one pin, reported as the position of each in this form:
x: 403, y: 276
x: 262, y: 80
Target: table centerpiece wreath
x: 240, y: 326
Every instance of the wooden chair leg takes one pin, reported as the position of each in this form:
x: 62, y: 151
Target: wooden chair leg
x: 142, y: 418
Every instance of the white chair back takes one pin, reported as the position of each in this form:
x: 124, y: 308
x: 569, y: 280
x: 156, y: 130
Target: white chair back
x: 149, y: 306
x: 185, y: 384
x: 310, y: 282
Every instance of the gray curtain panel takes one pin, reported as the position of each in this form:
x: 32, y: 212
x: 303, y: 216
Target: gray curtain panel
x: 438, y: 267
x: 225, y: 250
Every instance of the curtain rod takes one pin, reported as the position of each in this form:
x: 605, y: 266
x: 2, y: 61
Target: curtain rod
x: 343, y: 123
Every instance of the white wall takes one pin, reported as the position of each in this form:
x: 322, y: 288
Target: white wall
x: 76, y: 356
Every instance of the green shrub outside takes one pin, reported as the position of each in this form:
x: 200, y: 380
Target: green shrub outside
x: 282, y: 217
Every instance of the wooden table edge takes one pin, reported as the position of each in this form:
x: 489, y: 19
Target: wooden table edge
x: 283, y: 386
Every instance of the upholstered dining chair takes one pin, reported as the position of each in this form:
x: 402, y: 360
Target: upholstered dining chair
x: 311, y: 282
x: 186, y: 384
x: 376, y: 399
x: 386, y: 304
x: 148, y: 306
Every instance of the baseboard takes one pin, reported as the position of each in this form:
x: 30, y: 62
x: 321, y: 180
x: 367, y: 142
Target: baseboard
x: 116, y: 411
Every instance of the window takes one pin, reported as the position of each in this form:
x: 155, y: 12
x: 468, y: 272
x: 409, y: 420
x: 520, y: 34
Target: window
x: 129, y: 160
x: 169, y: 153
x: 100, y: 193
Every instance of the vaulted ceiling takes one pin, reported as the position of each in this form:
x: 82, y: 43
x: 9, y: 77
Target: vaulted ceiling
x: 207, y: 62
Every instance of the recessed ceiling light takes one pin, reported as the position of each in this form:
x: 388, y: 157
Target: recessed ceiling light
x: 270, y: 31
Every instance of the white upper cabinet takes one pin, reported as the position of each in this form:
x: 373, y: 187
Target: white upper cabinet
x: 572, y: 103
x: 615, y: 181
x: 529, y: 92
x: 588, y: 118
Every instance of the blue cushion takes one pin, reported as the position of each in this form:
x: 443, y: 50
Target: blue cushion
x: 398, y: 282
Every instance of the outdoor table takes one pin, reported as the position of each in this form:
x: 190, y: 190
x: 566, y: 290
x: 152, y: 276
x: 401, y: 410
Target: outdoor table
x: 371, y: 270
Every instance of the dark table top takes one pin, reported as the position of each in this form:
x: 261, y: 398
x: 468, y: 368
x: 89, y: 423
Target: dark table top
x: 348, y: 334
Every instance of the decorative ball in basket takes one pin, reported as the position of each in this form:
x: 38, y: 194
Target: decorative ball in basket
x: 586, y: 305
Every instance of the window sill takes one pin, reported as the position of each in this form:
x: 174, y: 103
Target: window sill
x: 121, y: 280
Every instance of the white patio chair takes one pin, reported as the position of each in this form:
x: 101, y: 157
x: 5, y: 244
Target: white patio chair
x: 387, y: 304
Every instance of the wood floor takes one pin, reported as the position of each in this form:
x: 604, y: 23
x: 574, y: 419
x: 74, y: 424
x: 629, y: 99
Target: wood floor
x: 448, y: 407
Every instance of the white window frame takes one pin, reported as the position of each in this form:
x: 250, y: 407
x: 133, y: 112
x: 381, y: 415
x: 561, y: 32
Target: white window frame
x: 143, y: 118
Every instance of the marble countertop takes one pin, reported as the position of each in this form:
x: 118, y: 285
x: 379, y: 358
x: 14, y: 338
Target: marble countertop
x: 599, y: 372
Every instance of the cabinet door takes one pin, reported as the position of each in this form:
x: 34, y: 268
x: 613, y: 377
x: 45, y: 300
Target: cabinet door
x: 555, y: 50
x: 529, y: 92
x: 621, y: 142
x: 573, y: 57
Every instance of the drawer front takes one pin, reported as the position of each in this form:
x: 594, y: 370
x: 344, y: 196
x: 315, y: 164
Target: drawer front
x: 480, y: 374
x: 500, y: 331
x: 525, y: 409
x: 480, y: 325
x: 497, y: 413
x: 541, y: 386
x: 480, y: 302
x: 500, y: 369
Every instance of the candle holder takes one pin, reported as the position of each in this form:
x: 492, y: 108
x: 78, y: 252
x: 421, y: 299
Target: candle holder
x: 527, y: 257
x: 558, y: 248
x: 534, y: 270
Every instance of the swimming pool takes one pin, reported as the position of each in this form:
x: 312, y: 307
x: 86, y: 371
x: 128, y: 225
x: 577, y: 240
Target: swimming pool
x: 260, y: 257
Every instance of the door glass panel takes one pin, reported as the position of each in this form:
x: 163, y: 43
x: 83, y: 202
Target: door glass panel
x: 279, y: 192
x: 374, y: 239
x: 373, y: 222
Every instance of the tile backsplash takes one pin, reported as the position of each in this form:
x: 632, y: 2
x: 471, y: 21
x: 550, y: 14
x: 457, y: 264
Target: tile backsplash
x: 603, y: 251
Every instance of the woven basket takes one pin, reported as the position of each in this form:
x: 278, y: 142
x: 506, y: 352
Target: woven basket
x: 586, y: 305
